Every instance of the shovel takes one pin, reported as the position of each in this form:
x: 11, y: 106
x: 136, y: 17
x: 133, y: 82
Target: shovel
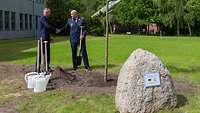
x: 79, y: 57
x: 38, y: 57
x: 45, y: 54
x: 42, y: 56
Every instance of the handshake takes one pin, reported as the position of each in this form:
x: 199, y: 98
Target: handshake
x: 58, y: 30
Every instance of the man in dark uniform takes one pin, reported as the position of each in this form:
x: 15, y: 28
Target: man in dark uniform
x: 43, y: 34
x: 75, y: 24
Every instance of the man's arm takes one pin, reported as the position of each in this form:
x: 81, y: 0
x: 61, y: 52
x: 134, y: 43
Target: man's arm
x: 64, y: 26
x: 47, y: 25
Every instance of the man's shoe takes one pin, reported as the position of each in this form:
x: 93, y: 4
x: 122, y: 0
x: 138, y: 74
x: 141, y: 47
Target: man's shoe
x: 74, y: 70
x: 88, y: 69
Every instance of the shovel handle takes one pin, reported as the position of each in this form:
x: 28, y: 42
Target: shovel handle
x: 46, y: 66
x: 42, y: 56
x: 80, y: 45
x: 81, y: 33
x: 38, y: 56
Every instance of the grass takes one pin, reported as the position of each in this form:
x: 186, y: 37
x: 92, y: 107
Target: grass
x: 62, y: 102
x: 5, y: 90
x: 180, y: 54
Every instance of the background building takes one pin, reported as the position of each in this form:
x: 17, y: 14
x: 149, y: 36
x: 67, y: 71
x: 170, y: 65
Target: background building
x: 18, y: 18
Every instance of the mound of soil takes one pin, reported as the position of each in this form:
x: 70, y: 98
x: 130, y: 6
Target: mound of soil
x: 81, y: 81
x: 82, y: 78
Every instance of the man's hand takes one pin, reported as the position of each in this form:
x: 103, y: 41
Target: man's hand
x: 81, y: 37
x: 57, y: 31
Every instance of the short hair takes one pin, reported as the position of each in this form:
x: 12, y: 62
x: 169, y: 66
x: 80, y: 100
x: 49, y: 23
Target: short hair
x: 74, y: 11
x: 46, y: 10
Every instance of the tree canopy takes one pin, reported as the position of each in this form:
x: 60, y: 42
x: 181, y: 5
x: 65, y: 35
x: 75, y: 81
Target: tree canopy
x: 180, y: 17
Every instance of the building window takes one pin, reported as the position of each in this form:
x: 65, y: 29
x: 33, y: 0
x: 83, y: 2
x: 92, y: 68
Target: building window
x: 13, y: 21
x: 7, y: 20
x: 30, y: 22
x: 36, y: 22
x: 26, y: 22
x: 21, y: 22
x: 1, y: 20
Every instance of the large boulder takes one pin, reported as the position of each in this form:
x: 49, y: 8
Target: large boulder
x: 131, y: 94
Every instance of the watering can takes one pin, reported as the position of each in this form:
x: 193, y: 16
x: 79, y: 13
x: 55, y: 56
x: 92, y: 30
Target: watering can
x: 30, y: 79
x: 41, y: 83
x: 37, y: 80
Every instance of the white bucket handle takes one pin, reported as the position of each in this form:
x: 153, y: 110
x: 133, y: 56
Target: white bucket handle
x: 29, y: 74
x: 47, y: 78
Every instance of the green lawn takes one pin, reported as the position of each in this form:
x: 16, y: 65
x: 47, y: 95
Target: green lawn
x: 180, y: 54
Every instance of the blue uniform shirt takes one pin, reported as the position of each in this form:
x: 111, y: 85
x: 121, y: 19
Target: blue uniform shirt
x: 75, y: 28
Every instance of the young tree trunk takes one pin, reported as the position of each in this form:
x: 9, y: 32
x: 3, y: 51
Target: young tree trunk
x: 189, y: 29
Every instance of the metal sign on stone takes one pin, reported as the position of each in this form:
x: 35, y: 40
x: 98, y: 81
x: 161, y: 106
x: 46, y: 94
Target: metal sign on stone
x: 151, y: 80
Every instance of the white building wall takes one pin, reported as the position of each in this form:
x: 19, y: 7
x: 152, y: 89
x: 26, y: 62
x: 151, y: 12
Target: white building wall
x: 20, y: 7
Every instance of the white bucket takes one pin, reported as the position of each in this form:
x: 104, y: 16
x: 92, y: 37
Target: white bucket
x: 30, y: 79
x: 41, y: 83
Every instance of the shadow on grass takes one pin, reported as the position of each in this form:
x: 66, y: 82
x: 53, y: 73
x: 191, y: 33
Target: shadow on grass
x: 16, y: 56
x: 102, y: 66
x: 12, y: 49
x: 98, y: 66
x: 184, y: 70
x: 182, y: 101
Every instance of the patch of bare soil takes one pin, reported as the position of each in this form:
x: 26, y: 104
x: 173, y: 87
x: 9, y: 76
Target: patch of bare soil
x: 82, y: 82
x: 183, y: 87
x: 79, y: 82
x: 75, y: 81
x: 8, y: 108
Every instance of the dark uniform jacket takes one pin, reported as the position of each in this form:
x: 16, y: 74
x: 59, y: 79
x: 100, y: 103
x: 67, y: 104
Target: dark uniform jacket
x: 44, y: 28
x: 75, y: 28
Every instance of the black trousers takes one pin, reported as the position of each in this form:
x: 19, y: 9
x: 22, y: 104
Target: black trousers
x: 74, y: 47
x: 42, y: 68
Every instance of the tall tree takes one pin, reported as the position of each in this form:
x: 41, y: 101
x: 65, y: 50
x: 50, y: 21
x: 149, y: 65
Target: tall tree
x: 179, y: 6
x: 193, y: 12
x: 172, y: 12
x: 135, y: 12
x: 58, y: 8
